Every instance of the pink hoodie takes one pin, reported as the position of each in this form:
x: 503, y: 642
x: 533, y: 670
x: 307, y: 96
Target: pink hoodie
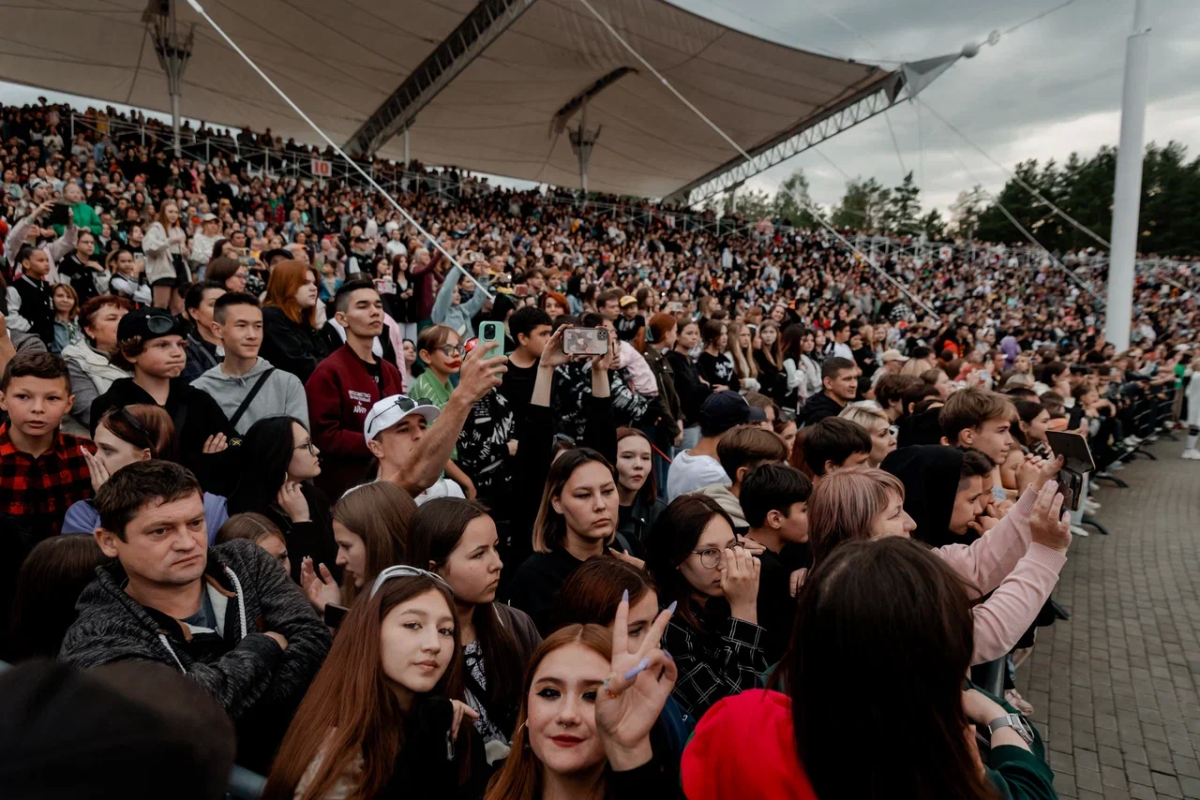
x: 1019, y: 573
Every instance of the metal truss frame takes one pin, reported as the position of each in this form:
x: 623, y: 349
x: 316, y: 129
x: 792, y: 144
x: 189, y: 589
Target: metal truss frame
x: 456, y: 52
x: 876, y: 99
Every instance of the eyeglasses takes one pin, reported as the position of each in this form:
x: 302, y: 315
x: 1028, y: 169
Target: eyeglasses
x: 405, y: 571
x: 309, y: 446
x: 449, y: 350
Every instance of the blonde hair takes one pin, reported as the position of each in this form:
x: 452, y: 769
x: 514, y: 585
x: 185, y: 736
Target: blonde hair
x: 914, y: 367
x: 743, y: 362
x: 867, y: 414
x: 844, y: 504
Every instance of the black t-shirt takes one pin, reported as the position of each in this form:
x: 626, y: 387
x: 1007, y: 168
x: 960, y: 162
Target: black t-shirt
x: 627, y: 327
x: 375, y: 370
x: 517, y: 389
x: 776, y: 606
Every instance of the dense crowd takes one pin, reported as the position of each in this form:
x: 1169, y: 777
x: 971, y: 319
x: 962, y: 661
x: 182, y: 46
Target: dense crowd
x: 267, y: 447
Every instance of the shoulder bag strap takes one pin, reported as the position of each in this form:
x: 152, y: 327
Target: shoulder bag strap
x: 237, y: 415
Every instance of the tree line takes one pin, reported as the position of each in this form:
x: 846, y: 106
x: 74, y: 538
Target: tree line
x: 1082, y: 187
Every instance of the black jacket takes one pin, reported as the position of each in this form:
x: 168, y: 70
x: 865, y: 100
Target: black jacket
x: 257, y: 683
x: 691, y: 390
x: 196, y: 416
x: 818, y: 407
x: 637, y: 520
x: 201, y: 357
x: 290, y: 347
x: 37, y: 306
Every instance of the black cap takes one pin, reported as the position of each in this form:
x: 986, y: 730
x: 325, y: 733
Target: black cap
x: 725, y: 410
x: 149, y: 323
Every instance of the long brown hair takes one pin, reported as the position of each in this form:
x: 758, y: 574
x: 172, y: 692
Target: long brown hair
x: 521, y: 777
x: 286, y: 279
x: 671, y: 541
x: 649, y: 489
x: 380, y: 513
x: 144, y: 426
x: 593, y: 592
x: 774, y: 353
x: 888, y: 601
x: 550, y: 527
x: 350, y: 709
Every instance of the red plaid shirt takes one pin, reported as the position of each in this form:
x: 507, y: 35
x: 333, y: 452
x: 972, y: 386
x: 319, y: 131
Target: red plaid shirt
x: 40, y: 490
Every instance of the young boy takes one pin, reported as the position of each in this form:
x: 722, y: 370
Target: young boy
x: 630, y: 321
x: 775, y: 501
x: 531, y: 328
x: 42, y: 470
x: 980, y: 419
x: 740, y: 451
x: 834, y: 443
x: 31, y: 296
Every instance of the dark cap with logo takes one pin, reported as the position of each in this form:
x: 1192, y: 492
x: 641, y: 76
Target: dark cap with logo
x: 149, y: 323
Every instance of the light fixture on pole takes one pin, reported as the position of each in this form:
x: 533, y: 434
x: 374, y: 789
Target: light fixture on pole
x: 173, y: 51
x: 582, y: 142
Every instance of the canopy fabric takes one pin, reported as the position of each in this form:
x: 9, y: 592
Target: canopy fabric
x: 340, y: 59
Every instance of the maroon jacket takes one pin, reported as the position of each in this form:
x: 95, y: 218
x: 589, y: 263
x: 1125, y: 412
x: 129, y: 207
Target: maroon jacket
x: 426, y: 292
x: 340, y: 393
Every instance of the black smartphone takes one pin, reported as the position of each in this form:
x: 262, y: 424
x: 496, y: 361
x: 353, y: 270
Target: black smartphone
x: 59, y: 214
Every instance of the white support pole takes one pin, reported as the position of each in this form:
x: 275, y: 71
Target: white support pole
x: 406, y: 149
x: 1127, y: 195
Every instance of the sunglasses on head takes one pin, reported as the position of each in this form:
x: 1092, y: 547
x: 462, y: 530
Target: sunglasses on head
x: 160, y: 324
x: 405, y: 571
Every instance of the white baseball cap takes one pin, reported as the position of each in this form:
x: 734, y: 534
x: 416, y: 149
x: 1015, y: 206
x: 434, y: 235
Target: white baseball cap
x: 390, y: 410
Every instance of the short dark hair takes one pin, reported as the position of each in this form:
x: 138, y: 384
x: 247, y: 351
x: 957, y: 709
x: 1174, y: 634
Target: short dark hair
x: 525, y: 319
x: 748, y: 446
x: 341, y: 301
x: 195, y: 294
x: 839, y: 326
x: 975, y: 464
x: 921, y: 353
x: 772, y: 487
x: 135, y: 485
x: 604, y: 297
x: 35, y: 364
x: 834, y: 439
x: 891, y: 388
x: 232, y: 299
x: 834, y: 365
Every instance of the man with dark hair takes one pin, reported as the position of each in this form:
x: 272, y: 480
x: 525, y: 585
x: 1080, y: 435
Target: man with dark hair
x: 834, y: 443
x: 609, y: 304
x: 889, y: 393
x: 204, y: 350
x: 839, y: 376
x: 530, y: 328
x: 227, y: 617
x: 246, y: 386
x: 42, y: 470
x: 345, y: 385
x: 774, y: 498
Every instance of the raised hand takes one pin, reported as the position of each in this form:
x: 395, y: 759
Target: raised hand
x: 320, y: 590
x: 610, y: 359
x: 481, y: 372
x: 633, y: 694
x: 96, y: 469
x: 293, y: 502
x: 1048, y: 525
x: 739, y: 582
x: 553, y: 354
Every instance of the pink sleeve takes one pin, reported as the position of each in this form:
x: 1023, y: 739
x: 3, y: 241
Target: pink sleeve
x: 985, y: 562
x: 397, y: 340
x: 1003, y: 618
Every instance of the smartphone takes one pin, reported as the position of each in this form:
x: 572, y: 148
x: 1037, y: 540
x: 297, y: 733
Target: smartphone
x: 59, y: 214
x: 1077, y: 462
x: 492, y: 332
x: 522, y: 290
x: 585, y: 341
x: 334, y: 614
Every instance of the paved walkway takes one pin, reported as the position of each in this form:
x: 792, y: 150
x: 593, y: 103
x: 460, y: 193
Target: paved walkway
x: 1116, y: 687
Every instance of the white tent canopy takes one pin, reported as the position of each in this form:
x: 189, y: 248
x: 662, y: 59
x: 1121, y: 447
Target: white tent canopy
x: 341, y: 59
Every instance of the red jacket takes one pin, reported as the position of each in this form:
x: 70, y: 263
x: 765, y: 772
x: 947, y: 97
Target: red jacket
x: 340, y: 393
x: 744, y: 747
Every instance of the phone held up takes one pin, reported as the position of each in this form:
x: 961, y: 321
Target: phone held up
x: 585, y: 341
x: 492, y: 332
x: 1077, y: 462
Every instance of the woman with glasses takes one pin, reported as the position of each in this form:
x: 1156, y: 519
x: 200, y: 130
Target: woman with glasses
x: 458, y: 540
x: 370, y: 526
x: 715, y: 637
x: 385, y: 715
x: 279, y: 462
x: 127, y: 435
x: 883, y: 434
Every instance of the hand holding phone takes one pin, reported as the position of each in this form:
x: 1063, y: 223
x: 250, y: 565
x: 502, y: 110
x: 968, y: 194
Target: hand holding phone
x: 585, y: 341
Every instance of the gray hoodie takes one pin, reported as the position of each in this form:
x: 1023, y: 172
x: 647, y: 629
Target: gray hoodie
x: 282, y: 394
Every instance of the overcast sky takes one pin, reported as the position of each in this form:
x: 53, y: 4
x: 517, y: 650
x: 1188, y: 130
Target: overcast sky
x: 1049, y: 88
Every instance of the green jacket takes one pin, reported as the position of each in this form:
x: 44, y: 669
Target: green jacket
x: 85, y: 218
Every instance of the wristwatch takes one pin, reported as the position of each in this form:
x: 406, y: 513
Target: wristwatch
x: 1015, y: 722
